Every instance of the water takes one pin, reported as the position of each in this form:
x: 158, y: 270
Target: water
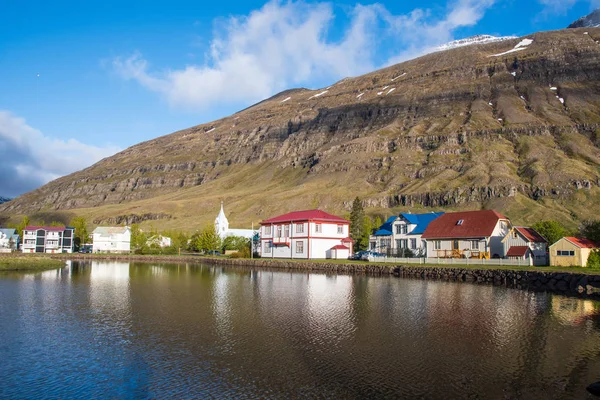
x: 115, y: 330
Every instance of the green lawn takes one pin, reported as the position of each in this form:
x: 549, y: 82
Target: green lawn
x: 20, y: 263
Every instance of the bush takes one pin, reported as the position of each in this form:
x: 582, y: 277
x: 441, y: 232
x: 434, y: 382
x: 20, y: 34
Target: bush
x: 594, y: 259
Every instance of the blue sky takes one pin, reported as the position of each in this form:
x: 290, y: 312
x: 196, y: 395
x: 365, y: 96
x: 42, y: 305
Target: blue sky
x: 80, y: 81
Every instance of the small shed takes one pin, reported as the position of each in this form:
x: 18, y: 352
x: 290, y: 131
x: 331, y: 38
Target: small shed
x: 340, y: 252
x: 571, y: 252
x: 522, y: 253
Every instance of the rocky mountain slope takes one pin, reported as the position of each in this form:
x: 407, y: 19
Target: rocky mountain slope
x: 589, y: 21
x: 4, y: 199
x: 513, y: 125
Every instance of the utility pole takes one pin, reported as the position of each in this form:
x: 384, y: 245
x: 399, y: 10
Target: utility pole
x: 252, y: 242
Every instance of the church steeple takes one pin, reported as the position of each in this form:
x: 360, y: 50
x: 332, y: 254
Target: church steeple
x: 221, y: 223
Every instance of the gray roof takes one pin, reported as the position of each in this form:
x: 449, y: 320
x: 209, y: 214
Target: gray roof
x: 110, y: 230
x: 9, y: 232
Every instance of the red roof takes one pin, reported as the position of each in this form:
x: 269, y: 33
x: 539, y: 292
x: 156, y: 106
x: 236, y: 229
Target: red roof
x: 583, y: 243
x: 340, y: 247
x: 517, y: 251
x: 46, y: 228
x: 475, y: 224
x: 312, y: 215
x: 530, y: 234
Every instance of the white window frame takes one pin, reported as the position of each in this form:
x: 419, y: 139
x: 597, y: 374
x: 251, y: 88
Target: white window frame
x: 318, y: 228
x: 474, y: 244
x: 268, y: 247
x: 340, y: 229
x: 437, y: 244
x: 299, y: 247
x: 268, y: 230
x: 413, y: 243
x: 299, y: 228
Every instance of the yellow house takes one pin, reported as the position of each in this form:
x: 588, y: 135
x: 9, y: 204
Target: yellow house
x: 571, y: 252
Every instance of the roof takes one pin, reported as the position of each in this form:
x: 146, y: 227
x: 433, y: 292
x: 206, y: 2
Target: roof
x: 517, y: 251
x: 308, y: 215
x: 340, y: 247
x: 110, y: 230
x: 47, y: 228
x: 530, y: 234
x: 421, y: 220
x: 582, y: 243
x: 386, y: 228
x: 475, y: 224
x: 9, y: 232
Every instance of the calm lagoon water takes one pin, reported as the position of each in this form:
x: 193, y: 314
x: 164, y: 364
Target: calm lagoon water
x: 120, y: 330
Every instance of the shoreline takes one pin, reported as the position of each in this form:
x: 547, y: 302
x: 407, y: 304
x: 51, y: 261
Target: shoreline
x: 561, y: 282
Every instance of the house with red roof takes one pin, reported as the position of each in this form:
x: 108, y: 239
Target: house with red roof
x: 467, y: 234
x: 48, y: 239
x: 310, y: 234
x: 524, y: 243
x: 571, y: 252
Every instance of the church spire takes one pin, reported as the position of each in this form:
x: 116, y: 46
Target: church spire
x: 221, y: 223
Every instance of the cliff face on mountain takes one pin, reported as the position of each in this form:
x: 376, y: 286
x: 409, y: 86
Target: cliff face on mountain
x: 589, y: 21
x: 512, y: 124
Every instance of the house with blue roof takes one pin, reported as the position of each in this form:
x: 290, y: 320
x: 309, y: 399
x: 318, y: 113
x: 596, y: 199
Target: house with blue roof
x: 9, y: 240
x: 401, y: 235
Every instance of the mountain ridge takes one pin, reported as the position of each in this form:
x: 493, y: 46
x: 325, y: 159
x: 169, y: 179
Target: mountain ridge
x: 512, y: 124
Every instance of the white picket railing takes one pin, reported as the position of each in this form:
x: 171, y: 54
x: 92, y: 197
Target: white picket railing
x: 451, y: 261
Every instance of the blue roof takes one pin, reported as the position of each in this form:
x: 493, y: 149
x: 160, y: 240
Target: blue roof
x: 421, y: 220
x: 386, y: 228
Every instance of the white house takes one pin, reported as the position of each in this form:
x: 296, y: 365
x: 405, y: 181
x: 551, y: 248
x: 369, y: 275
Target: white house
x: 48, y: 239
x: 159, y: 241
x: 112, y: 239
x: 222, y: 227
x: 312, y: 234
x: 526, y: 244
x: 467, y: 234
x: 401, y: 233
x: 9, y: 240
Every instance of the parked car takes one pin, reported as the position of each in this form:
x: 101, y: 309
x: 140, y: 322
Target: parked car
x: 358, y: 255
x: 214, y: 253
x: 371, y: 254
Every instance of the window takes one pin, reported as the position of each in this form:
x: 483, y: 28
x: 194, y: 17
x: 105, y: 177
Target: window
x: 474, y: 244
x: 340, y: 229
x: 268, y: 230
x: 459, y: 222
x: 268, y: 248
x: 570, y: 253
x: 299, y: 228
x: 398, y: 229
x: 385, y: 243
x: 403, y: 229
x: 279, y: 231
x: 287, y: 231
x: 299, y: 247
x: 437, y: 244
x: 373, y: 245
x: 318, y: 228
x: 413, y: 243
x: 515, y: 235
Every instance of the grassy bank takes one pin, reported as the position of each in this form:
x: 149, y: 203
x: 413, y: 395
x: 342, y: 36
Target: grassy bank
x: 8, y: 263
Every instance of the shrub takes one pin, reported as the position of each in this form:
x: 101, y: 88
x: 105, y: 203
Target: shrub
x: 593, y: 260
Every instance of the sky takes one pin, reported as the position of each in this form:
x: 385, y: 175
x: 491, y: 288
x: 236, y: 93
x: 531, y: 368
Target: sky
x: 81, y: 81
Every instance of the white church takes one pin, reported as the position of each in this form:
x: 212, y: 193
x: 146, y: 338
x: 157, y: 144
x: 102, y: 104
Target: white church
x: 222, y: 227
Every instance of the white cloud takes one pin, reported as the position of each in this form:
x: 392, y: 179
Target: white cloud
x: 285, y: 45
x: 562, y: 6
x: 29, y: 159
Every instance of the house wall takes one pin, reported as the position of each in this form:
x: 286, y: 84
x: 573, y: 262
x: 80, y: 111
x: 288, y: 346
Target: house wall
x: 495, y: 241
x: 447, y: 245
x: 118, y: 242
x: 538, y: 250
x: 578, y: 259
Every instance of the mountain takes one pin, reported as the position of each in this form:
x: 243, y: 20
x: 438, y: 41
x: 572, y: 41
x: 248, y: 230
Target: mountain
x: 589, y: 21
x: 512, y: 125
x: 4, y: 199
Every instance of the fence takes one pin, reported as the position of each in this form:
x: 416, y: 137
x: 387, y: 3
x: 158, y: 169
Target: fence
x: 451, y: 261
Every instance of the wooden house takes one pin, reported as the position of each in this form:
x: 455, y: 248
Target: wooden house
x: 526, y: 244
x: 571, y: 252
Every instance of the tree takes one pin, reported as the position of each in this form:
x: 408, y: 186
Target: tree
x: 593, y: 260
x: 57, y: 223
x: 138, y: 240
x: 81, y: 232
x: 590, y: 229
x: 357, y: 216
x: 367, y: 229
x: 377, y: 223
x: 551, y: 230
x: 235, y: 243
x: 24, y: 223
x: 208, y: 240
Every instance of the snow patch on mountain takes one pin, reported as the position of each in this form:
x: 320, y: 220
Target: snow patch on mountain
x: 522, y: 45
x: 478, y: 39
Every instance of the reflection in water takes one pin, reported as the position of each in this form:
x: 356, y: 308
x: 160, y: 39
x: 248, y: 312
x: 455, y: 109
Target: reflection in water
x: 120, y: 330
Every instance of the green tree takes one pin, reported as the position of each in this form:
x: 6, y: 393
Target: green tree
x: 367, y: 230
x: 551, y: 230
x: 593, y: 260
x: 21, y: 226
x: 238, y: 243
x: 357, y: 216
x: 57, y: 223
x: 377, y: 223
x: 590, y: 229
x: 81, y: 232
x: 208, y: 240
x: 139, y: 240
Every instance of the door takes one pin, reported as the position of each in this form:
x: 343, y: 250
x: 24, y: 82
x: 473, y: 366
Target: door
x: 455, y: 245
